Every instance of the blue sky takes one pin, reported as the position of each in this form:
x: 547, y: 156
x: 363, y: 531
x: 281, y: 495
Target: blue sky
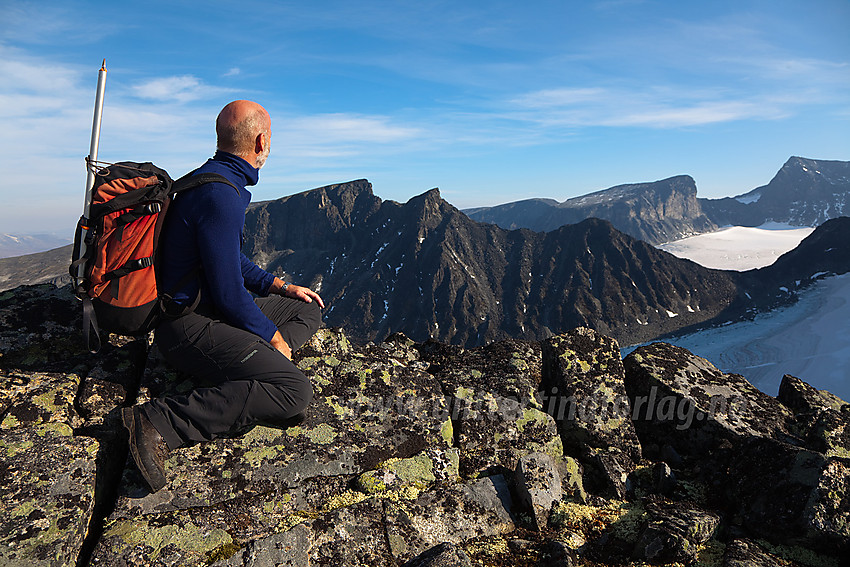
x: 489, y: 101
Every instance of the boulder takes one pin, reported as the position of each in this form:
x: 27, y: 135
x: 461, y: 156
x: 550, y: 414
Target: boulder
x: 493, y: 394
x: 538, y: 485
x: 684, y: 401
x: 746, y: 553
x: 822, y: 419
x: 586, y: 394
x: 451, y: 514
x: 674, y: 531
x: 808, y: 501
x: 47, y: 496
x: 744, y: 444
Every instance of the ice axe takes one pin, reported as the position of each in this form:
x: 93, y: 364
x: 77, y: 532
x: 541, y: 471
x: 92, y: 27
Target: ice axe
x: 80, y: 238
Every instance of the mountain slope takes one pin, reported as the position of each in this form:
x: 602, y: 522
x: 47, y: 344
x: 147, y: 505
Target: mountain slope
x: 41, y: 267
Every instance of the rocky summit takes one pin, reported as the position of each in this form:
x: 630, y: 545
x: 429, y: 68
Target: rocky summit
x: 522, y: 453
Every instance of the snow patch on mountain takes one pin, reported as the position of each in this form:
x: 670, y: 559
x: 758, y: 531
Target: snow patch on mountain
x: 809, y: 340
x: 739, y: 247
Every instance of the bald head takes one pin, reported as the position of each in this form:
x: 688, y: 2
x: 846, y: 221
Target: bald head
x: 243, y: 128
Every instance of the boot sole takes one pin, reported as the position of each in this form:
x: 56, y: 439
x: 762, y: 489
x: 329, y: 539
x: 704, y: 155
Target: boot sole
x: 154, y: 478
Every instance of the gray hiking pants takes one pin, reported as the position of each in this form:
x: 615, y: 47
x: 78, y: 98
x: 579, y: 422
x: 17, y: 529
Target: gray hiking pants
x: 253, y: 383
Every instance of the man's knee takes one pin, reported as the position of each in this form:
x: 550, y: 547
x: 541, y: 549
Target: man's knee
x: 312, y: 316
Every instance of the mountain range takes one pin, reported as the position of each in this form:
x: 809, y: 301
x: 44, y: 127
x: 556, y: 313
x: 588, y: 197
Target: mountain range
x: 428, y: 270
x: 805, y: 192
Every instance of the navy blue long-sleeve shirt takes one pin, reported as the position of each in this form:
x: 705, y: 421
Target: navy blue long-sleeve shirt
x: 204, y: 228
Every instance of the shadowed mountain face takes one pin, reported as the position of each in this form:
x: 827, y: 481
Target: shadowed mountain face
x: 426, y: 269
x: 655, y: 212
x: 805, y: 192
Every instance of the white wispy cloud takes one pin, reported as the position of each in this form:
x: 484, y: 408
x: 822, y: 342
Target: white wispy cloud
x: 183, y: 88
x: 666, y: 107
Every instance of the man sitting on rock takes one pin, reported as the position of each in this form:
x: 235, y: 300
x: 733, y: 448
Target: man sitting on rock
x: 241, y: 344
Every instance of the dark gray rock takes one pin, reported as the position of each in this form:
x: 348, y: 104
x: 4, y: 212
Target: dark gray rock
x: 684, y: 401
x: 593, y: 412
x: 47, y: 496
x: 538, y: 486
x: 452, y: 514
x: 744, y: 443
x: 674, y: 531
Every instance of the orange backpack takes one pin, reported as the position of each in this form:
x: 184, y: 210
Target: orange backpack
x: 119, y: 284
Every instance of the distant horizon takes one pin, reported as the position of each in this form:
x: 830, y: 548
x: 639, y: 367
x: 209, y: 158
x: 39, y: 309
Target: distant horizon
x: 492, y: 102
x: 59, y: 233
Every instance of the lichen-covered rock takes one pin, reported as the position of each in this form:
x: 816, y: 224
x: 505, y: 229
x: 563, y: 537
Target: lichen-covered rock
x: 372, y: 405
x: 112, y: 382
x: 47, y: 495
x: 33, y: 398
x: 352, y: 536
x: 538, y: 485
x: 41, y: 329
x: 492, y: 431
x: 587, y: 396
x: 785, y: 493
x: 744, y: 443
x: 746, y: 553
x: 682, y: 400
x: 451, y: 514
x: 493, y: 394
x: 510, y: 369
x: 802, y: 398
x: 415, y: 472
x: 674, y: 532
x: 443, y: 555
x: 822, y: 419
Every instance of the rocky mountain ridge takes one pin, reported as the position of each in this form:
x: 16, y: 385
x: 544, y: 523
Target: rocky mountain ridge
x: 425, y: 269
x: 655, y: 212
x: 805, y: 192
x: 521, y: 453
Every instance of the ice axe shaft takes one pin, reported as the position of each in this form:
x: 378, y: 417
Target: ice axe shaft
x: 91, y: 166
x: 95, y: 136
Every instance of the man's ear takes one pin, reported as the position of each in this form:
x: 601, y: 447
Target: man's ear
x: 260, y: 143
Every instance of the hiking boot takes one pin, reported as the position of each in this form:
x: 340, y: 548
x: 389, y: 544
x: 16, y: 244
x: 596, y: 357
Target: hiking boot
x: 147, y: 447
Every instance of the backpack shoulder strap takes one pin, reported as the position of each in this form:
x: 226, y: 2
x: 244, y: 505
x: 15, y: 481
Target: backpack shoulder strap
x: 190, y: 181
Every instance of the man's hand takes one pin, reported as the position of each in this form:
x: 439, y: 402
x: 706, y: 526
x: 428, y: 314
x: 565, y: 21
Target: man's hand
x: 296, y: 292
x: 281, y: 345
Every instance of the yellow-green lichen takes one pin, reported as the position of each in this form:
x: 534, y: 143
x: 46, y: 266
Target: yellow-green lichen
x: 447, y: 431
x: 339, y: 410
x: 194, y: 543
x: 322, y: 434
x: 60, y: 429
x: 532, y: 416
x: 263, y: 453
x: 10, y: 422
